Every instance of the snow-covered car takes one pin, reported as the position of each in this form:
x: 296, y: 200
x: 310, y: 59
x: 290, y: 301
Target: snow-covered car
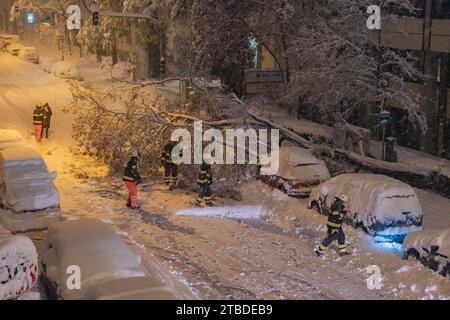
x: 106, y: 267
x: 29, y: 54
x: 7, y: 39
x: 380, y: 205
x: 25, y: 183
x: 299, y: 171
x: 431, y: 247
x: 9, y: 138
x: 15, y: 48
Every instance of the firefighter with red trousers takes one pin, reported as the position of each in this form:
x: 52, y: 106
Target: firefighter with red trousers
x: 132, y: 179
x: 38, y: 121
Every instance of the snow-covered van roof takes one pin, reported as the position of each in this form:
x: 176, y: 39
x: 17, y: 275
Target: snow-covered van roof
x: 426, y: 239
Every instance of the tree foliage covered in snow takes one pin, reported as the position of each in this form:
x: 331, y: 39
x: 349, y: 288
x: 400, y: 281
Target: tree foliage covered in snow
x: 340, y: 66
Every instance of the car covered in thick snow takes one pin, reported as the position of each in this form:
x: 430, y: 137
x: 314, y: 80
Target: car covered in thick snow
x: 29, y: 54
x: 380, y: 205
x: 431, y: 247
x: 107, y: 269
x: 14, y: 48
x: 25, y: 183
x: 7, y: 39
x: 299, y: 171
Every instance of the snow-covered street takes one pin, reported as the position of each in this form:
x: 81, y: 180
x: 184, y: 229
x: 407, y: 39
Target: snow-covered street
x: 210, y: 258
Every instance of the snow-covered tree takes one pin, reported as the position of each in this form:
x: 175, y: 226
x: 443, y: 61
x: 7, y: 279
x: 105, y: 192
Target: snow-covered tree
x: 340, y: 66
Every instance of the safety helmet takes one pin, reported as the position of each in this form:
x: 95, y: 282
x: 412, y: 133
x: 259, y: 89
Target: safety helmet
x: 208, y: 159
x: 39, y: 105
x: 342, y: 197
x: 135, y: 154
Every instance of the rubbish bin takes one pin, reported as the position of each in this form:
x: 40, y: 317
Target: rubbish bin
x: 391, y: 149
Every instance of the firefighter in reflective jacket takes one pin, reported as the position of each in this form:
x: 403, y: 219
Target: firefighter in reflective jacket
x: 132, y: 179
x: 334, y: 224
x: 38, y: 121
x: 204, y: 181
x: 170, y: 168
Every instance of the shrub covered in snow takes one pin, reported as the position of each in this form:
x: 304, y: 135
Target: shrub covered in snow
x: 381, y: 205
x: 66, y: 70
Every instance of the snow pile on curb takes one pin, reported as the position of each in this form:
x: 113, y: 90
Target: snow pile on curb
x: 66, y: 70
x: 18, y: 266
x: 232, y: 212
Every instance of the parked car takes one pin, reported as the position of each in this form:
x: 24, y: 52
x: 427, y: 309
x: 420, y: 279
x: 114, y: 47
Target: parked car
x: 29, y: 54
x: 109, y: 270
x: 380, y: 205
x: 431, y: 247
x: 25, y: 183
x: 7, y: 39
x: 14, y: 48
x: 299, y: 171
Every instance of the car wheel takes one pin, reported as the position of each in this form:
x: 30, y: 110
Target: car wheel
x: 316, y: 207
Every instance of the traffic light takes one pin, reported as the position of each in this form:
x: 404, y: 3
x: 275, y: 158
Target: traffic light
x: 95, y: 18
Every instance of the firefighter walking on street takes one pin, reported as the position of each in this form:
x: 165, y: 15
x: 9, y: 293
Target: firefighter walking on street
x: 204, y: 181
x: 334, y: 225
x: 38, y: 121
x: 170, y: 168
x: 132, y: 179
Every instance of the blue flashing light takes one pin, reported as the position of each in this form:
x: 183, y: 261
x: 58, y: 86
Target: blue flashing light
x: 31, y: 18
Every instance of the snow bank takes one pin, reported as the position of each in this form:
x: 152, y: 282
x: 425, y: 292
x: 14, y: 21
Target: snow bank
x: 9, y: 138
x: 28, y: 184
x: 18, y: 266
x: 92, y: 246
x: 233, y: 212
x: 426, y: 239
x: 373, y: 199
x: 66, y: 70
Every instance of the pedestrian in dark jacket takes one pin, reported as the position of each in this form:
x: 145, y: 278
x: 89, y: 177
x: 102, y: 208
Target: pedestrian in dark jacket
x: 47, y: 119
